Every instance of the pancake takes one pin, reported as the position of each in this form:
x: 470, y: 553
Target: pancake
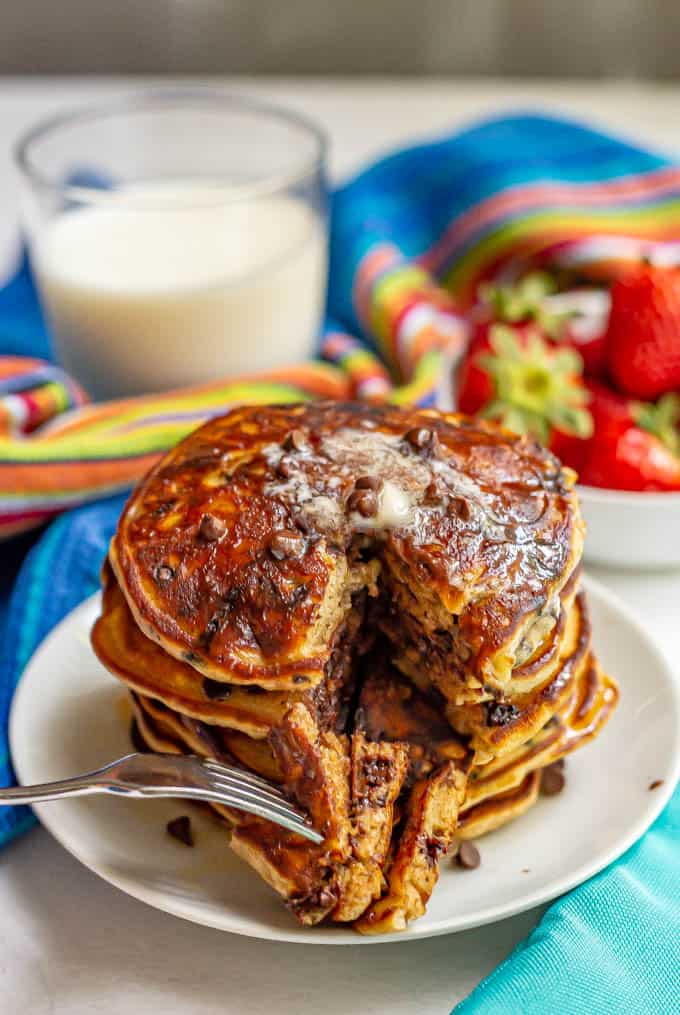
x: 378, y: 610
x: 429, y: 829
x: 145, y: 667
x: 241, y: 552
x: 496, y: 729
x: 365, y: 878
x: 494, y: 812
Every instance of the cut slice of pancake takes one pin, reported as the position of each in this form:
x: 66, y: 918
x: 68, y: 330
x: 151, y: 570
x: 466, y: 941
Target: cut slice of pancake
x: 430, y: 827
x: 378, y: 771
x: 241, y: 551
x: 315, y: 768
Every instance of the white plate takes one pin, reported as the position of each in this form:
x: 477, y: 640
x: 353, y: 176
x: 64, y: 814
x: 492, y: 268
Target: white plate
x: 69, y: 715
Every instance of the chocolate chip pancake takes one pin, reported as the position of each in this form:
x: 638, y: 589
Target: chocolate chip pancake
x: 376, y: 609
x: 242, y: 550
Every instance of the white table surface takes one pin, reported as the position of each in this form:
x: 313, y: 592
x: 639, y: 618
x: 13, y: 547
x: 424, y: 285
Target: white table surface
x: 71, y: 944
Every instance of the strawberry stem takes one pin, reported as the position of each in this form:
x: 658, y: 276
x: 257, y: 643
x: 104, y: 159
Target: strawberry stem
x: 661, y: 419
x: 537, y: 388
x: 524, y: 301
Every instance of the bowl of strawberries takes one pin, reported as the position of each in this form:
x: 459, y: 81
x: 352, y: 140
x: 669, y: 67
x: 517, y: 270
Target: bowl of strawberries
x: 594, y: 374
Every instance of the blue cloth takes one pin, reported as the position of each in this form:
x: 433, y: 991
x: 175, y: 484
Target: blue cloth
x: 609, y: 947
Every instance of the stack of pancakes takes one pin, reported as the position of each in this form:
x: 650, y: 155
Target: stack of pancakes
x: 377, y: 609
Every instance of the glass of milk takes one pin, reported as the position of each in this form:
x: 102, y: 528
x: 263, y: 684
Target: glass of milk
x: 176, y: 238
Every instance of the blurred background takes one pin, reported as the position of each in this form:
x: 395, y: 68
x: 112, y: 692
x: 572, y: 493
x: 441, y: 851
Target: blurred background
x: 582, y: 38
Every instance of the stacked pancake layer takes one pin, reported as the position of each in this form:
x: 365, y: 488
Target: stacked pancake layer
x: 379, y: 610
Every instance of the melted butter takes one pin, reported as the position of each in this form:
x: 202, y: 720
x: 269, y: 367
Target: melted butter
x: 349, y: 453
x: 395, y: 509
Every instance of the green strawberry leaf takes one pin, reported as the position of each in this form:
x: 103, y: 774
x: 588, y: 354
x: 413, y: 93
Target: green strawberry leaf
x: 536, y: 387
x: 661, y: 419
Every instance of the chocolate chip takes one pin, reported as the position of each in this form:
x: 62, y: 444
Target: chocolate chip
x: 211, y: 528
x: 295, y: 441
x: 326, y: 897
x: 164, y: 573
x: 368, y: 483
x: 214, y: 690
x: 500, y: 714
x: 655, y: 784
x: 163, y: 508
x: 304, y: 524
x: 432, y: 494
x: 468, y: 855
x: 552, y: 780
x: 287, y: 544
x: 284, y: 468
x: 418, y: 437
x: 180, y: 828
x: 364, y: 502
x: 434, y: 848
x: 461, y: 507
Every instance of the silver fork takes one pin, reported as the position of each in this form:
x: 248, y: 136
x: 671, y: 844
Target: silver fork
x: 174, y: 775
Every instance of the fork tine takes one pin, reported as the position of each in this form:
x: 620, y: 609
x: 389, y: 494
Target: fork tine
x: 242, y: 774
x: 285, y: 810
x: 287, y: 818
x: 232, y: 782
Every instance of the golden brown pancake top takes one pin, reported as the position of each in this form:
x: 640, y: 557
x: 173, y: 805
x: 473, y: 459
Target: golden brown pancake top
x: 228, y: 551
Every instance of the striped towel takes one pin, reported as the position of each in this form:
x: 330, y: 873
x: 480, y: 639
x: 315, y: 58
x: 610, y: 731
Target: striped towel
x: 412, y: 238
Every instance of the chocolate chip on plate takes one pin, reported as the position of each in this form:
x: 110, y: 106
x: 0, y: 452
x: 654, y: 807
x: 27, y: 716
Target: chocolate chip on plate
x: 295, y: 441
x: 655, y: 784
x: 164, y: 573
x: 287, y: 544
x: 368, y: 483
x: 180, y: 829
x: 364, y: 502
x: 211, y: 528
x: 468, y: 856
x: 214, y: 690
x: 552, y: 780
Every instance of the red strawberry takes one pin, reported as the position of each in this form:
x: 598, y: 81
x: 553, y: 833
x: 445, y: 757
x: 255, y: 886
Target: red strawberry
x: 643, y: 334
x: 583, y: 324
x: 636, y: 446
x: 531, y: 387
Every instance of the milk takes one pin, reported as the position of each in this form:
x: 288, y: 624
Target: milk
x: 162, y: 285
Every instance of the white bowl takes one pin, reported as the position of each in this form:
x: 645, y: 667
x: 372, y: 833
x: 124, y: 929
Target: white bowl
x: 631, y: 530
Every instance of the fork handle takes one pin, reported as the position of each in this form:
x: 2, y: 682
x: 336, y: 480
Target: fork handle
x: 37, y: 794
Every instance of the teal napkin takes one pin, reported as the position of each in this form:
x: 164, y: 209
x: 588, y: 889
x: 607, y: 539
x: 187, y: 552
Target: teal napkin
x: 610, y: 947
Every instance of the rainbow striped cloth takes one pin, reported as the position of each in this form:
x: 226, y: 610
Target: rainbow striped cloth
x: 412, y: 238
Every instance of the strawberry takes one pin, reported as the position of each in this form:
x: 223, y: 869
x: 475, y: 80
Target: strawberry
x: 517, y: 378
x: 636, y: 446
x: 642, y: 345
x: 520, y: 303
x: 583, y: 325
